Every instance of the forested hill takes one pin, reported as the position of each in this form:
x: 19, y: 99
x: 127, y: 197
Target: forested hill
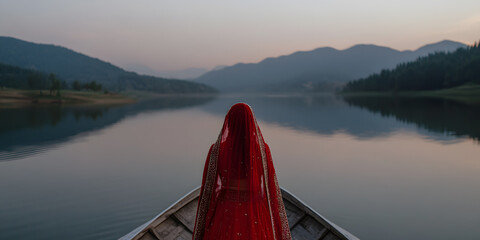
x: 70, y: 66
x: 435, y: 71
x: 20, y: 78
x: 317, y: 70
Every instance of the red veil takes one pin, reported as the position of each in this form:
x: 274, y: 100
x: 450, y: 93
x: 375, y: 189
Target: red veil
x: 240, y: 197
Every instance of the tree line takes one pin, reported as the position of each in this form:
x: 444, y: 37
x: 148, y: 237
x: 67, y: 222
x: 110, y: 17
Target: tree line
x: 93, y: 86
x: 436, y: 71
x: 20, y: 78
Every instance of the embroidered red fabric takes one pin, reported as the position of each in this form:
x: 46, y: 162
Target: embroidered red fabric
x: 240, y: 197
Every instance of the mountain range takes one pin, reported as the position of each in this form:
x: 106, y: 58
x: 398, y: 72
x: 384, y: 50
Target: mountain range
x: 70, y: 66
x: 187, y: 73
x: 322, y: 69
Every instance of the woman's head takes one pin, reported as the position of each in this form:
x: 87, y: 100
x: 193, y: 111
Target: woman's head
x: 240, y: 157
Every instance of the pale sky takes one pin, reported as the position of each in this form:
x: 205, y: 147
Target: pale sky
x: 178, y: 34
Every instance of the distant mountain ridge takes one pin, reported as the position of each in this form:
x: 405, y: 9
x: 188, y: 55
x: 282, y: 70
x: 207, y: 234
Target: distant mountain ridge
x: 70, y: 66
x: 323, y: 68
x: 187, y: 73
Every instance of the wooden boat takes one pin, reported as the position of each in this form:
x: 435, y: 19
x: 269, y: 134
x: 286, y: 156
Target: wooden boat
x: 178, y: 220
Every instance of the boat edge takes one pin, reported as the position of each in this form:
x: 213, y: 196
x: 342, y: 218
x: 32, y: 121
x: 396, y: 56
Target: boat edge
x: 333, y: 227
x: 290, y: 196
x: 139, y: 229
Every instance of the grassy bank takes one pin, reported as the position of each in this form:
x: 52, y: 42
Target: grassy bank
x: 19, y: 98
x: 468, y: 93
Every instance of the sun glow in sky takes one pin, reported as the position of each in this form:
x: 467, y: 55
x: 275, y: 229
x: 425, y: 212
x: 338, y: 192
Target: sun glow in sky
x: 170, y: 35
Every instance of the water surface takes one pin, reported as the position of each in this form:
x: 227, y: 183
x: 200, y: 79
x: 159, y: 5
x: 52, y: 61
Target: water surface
x: 380, y: 168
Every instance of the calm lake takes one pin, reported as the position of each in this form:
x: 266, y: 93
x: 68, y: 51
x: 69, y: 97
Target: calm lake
x: 382, y: 168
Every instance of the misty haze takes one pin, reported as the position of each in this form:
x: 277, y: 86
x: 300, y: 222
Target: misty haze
x: 239, y: 120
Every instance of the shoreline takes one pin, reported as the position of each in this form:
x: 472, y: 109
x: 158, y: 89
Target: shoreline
x: 16, y: 98
x: 465, y: 93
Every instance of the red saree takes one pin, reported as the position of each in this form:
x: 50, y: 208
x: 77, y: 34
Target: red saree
x: 240, y: 198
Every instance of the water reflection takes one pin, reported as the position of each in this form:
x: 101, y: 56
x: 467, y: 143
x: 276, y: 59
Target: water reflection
x: 328, y: 115
x: 444, y: 116
x: 27, y: 131
x: 31, y: 130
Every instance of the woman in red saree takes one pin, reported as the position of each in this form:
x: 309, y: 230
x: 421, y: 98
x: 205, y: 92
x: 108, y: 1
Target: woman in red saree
x: 240, y: 197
